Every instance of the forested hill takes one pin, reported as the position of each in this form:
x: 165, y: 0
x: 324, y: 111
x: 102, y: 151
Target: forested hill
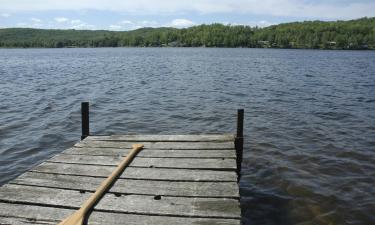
x: 353, y: 34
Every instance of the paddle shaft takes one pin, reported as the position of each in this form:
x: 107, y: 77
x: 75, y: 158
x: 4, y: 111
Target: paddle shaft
x: 78, y: 217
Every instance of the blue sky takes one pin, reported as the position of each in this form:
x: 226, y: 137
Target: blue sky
x: 133, y: 14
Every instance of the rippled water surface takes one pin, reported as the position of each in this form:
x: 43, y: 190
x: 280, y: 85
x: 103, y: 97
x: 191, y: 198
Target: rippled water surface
x: 310, y: 117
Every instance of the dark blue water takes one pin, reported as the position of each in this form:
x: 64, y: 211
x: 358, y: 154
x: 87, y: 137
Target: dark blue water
x: 310, y: 117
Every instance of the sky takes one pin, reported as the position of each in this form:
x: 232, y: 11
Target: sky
x: 125, y: 15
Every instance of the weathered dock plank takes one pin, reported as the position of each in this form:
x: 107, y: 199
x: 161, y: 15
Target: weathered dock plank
x: 157, y: 145
x: 137, y: 173
x: 166, y: 138
x: 32, y: 214
x: 153, y: 153
x: 138, y: 204
x: 150, y: 187
x: 182, y: 163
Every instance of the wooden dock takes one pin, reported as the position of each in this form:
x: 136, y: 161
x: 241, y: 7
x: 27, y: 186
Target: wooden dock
x: 175, y: 179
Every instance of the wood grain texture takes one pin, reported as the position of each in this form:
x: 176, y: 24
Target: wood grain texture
x: 139, y: 204
x: 152, y: 153
x: 145, y: 187
x: 157, y: 145
x: 166, y: 138
x: 30, y: 214
x: 138, y: 173
x: 182, y: 163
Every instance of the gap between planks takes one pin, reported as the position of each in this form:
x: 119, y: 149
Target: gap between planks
x: 152, y: 153
x: 162, y: 174
x: 141, y: 187
x: 167, y: 138
x: 30, y: 214
x: 177, y: 163
x: 135, y: 204
x: 158, y: 145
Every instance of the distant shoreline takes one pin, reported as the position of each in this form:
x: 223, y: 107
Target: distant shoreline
x: 339, y: 35
x: 313, y: 49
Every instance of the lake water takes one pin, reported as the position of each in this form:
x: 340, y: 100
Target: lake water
x: 309, y: 154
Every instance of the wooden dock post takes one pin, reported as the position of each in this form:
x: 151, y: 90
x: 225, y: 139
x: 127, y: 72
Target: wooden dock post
x: 239, y: 140
x: 85, y: 120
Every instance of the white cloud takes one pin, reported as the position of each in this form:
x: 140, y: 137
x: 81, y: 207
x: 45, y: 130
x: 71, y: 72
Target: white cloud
x: 36, y: 20
x: 65, y: 23
x: 76, y: 22
x: 181, y: 23
x: 132, y: 25
x: 21, y: 25
x: 149, y: 23
x: 5, y: 15
x: 61, y: 19
x: 261, y: 23
x: 114, y: 27
x: 126, y: 22
x: 30, y: 25
x: 82, y: 26
x: 328, y: 9
x: 136, y: 27
x: 54, y: 24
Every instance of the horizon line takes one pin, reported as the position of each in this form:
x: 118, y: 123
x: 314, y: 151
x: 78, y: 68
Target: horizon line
x: 196, y: 25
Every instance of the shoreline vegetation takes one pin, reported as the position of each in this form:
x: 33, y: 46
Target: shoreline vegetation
x: 353, y: 35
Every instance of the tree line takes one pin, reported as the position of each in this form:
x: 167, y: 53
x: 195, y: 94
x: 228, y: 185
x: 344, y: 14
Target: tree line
x: 353, y: 34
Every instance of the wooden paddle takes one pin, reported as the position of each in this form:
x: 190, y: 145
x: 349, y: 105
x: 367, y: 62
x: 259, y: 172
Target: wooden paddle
x: 78, y: 217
